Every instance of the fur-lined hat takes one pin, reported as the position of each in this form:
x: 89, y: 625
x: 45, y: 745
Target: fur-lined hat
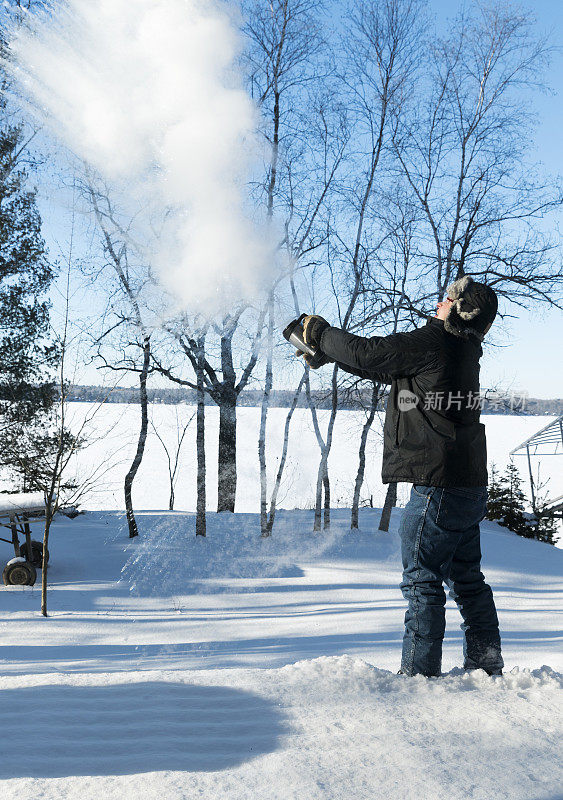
x: 473, y: 309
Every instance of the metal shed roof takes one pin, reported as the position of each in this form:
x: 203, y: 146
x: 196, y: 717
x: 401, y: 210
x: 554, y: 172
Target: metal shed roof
x: 546, y: 442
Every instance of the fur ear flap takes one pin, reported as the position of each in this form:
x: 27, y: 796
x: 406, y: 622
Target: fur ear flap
x: 456, y: 321
x: 467, y: 315
x: 451, y: 329
x: 456, y: 290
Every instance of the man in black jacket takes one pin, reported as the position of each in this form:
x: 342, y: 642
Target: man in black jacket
x: 433, y: 439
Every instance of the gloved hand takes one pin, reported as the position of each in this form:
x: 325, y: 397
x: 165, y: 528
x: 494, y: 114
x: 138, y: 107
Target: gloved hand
x: 313, y: 327
x: 319, y: 363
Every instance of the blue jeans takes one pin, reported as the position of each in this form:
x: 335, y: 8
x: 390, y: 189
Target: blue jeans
x: 440, y: 544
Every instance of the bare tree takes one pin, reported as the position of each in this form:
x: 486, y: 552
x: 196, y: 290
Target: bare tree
x: 383, y: 46
x: 173, y: 452
x: 124, y: 316
x: 220, y: 382
x: 303, y: 128
x: 462, y: 147
x: 63, y: 450
x: 389, y: 299
x: 270, y: 518
x: 52, y: 464
x: 359, y: 480
x: 281, y: 40
x: 200, y: 521
x: 194, y: 346
x: 58, y: 489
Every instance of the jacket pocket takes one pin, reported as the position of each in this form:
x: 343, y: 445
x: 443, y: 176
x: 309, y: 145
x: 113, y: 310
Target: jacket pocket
x: 444, y: 427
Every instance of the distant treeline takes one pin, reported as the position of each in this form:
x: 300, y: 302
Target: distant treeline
x: 495, y: 404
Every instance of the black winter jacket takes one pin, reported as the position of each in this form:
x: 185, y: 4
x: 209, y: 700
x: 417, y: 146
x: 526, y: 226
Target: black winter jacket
x: 424, y: 441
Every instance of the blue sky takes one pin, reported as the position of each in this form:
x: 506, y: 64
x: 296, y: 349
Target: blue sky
x: 524, y: 354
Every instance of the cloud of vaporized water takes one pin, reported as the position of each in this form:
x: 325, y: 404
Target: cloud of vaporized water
x: 146, y: 94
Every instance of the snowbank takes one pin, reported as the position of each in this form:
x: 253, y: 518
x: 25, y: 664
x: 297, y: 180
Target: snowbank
x: 322, y: 729
x: 246, y: 669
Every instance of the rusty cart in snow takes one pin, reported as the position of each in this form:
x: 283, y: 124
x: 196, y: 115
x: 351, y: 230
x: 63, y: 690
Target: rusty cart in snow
x: 17, y: 511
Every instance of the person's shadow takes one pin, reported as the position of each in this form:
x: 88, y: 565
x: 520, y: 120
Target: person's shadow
x: 122, y: 729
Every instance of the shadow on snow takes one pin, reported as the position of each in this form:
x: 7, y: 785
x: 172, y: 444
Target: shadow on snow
x: 60, y: 731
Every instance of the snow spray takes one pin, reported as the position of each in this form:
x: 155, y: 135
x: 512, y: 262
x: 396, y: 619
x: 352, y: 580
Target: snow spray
x: 146, y: 94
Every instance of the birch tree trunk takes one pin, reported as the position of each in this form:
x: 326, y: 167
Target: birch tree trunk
x: 277, y: 483
x: 322, y: 475
x: 117, y: 252
x: 362, y: 457
x: 130, y: 477
x: 200, y: 518
x: 265, y: 404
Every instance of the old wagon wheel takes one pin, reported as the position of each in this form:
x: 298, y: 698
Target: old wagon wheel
x: 36, y: 553
x: 19, y: 573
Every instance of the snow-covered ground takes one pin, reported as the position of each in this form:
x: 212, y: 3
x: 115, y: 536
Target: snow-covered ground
x: 232, y: 667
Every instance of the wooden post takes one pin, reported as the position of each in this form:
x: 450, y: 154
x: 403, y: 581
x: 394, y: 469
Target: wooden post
x: 15, y: 540
x: 390, y: 502
x: 531, y: 479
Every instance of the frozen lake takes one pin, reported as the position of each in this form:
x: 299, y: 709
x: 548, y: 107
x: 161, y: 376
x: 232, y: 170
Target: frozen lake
x: 113, y: 438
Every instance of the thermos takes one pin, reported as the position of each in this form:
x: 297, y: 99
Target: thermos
x: 294, y: 335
